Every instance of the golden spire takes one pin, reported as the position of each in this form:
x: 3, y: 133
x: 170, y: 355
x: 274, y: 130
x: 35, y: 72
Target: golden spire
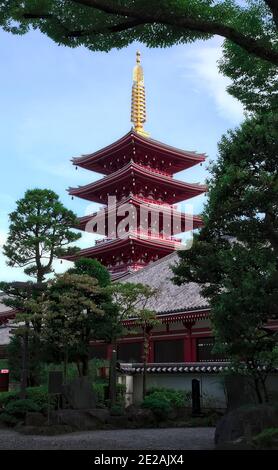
x: 138, y: 100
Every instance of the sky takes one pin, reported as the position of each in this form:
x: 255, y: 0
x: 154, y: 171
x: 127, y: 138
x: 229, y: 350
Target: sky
x: 57, y: 103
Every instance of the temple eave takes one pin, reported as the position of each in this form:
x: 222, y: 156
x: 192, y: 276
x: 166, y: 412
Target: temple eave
x: 133, y: 140
x: 110, y: 246
x: 134, y: 176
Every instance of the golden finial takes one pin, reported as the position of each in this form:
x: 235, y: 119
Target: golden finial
x: 138, y: 100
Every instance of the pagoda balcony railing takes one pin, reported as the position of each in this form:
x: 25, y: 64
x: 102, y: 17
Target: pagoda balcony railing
x: 154, y: 201
x: 153, y: 234
x: 144, y: 234
x: 122, y: 267
x: 156, y: 170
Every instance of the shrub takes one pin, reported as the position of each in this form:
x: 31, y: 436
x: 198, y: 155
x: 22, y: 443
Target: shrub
x: 177, y: 398
x: 38, y: 395
x: 9, y: 420
x: 159, y: 405
x: 4, y: 364
x: 16, y: 410
x: 101, y: 391
x: 6, y: 397
x: 117, y: 410
x: 268, y: 438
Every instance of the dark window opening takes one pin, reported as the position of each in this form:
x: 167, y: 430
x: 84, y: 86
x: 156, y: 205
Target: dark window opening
x: 129, y: 352
x: 168, y: 351
x: 204, y: 351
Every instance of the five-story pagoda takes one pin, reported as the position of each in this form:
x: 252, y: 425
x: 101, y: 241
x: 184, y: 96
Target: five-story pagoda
x: 139, y: 218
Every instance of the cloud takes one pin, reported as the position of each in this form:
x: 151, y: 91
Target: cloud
x: 201, y: 66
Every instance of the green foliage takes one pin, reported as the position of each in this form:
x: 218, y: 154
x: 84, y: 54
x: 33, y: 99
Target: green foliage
x: 34, y: 360
x: 253, y: 81
x: 8, y: 420
x: 103, y: 25
x: 117, y: 410
x: 16, y: 410
x: 235, y: 255
x: 6, y: 397
x: 132, y: 298
x: 40, y: 230
x: 37, y: 395
x: 177, y: 398
x: 69, y: 312
x: 4, y: 364
x: 93, y: 268
x: 159, y: 405
x: 267, y: 439
x: 101, y: 389
x: 163, y: 400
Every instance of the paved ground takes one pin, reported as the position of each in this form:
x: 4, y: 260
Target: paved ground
x: 139, y: 439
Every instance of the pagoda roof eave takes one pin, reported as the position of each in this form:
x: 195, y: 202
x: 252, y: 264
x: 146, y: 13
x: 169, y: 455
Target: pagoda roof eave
x: 92, y: 161
x: 155, y: 244
x: 86, y: 191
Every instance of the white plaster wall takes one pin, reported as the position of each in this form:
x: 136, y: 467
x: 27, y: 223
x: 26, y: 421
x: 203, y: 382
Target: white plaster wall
x: 4, y: 335
x: 211, y: 386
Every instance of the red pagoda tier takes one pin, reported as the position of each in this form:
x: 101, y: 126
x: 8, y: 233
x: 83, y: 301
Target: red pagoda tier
x: 139, y: 217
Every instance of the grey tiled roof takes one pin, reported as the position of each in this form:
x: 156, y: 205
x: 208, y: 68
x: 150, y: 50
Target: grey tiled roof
x: 3, y: 307
x: 178, y: 368
x: 170, y: 298
x: 174, y: 368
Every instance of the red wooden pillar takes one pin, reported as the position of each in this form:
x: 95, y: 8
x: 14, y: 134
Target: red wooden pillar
x: 189, y: 345
x: 193, y: 349
x: 109, y: 352
x: 187, y: 349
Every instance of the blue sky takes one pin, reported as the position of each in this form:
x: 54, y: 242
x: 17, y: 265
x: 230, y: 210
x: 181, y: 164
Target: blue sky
x: 57, y: 102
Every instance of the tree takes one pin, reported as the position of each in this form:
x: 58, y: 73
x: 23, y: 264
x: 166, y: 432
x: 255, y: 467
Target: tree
x: 234, y: 256
x: 104, y: 24
x: 146, y: 320
x: 24, y: 351
x: 107, y: 327
x: 93, y: 268
x: 254, y: 81
x: 132, y: 300
x: 39, y: 232
x: 69, y: 314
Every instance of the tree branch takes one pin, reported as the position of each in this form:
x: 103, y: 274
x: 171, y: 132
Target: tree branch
x: 192, y: 24
x: 109, y: 29
x: 81, y: 33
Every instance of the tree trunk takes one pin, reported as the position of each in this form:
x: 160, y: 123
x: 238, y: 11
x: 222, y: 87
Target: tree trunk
x: 66, y: 365
x: 144, y: 379
x: 78, y: 368
x: 113, y: 377
x: 24, y: 365
x: 85, y: 366
x: 258, y: 391
x: 146, y: 337
x: 265, y: 391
